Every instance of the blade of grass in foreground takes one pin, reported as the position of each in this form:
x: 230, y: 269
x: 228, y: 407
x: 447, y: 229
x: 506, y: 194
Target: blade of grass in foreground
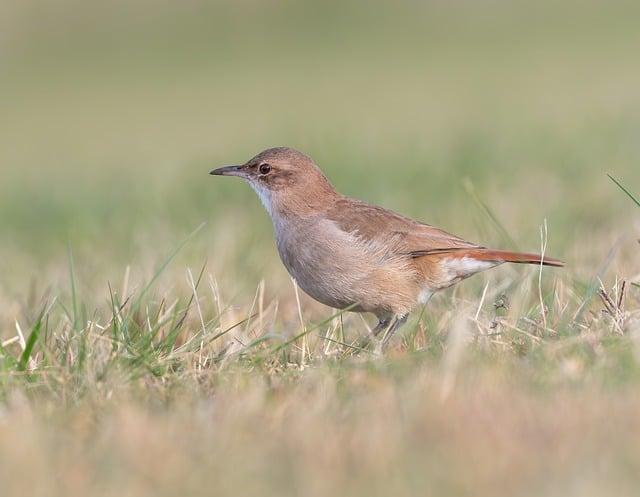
x: 629, y: 194
x: 31, y: 342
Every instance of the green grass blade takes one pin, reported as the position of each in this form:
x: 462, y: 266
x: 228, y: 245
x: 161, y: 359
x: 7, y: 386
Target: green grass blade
x: 629, y: 194
x: 484, y: 207
x: 167, y: 261
x: 31, y: 342
x: 346, y: 345
x: 135, y: 305
x: 309, y: 330
x: 74, y: 294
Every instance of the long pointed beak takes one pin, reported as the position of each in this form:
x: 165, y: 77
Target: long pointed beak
x: 228, y: 171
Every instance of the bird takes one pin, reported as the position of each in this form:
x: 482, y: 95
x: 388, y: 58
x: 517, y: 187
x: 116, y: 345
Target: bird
x: 351, y: 255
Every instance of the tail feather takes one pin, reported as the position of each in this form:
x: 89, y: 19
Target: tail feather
x: 506, y: 256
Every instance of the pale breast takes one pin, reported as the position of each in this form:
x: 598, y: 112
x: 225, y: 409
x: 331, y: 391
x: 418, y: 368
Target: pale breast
x: 341, y: 270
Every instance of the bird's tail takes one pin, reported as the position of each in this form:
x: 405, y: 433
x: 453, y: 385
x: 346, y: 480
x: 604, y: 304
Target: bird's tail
x: 499, y: 256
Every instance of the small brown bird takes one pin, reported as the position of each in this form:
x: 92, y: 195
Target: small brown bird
x: 348, y: 254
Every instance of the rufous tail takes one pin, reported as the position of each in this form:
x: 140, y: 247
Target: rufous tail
x: 507, y: 256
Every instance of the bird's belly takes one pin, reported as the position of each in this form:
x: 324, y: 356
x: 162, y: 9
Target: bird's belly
x: 336, y: 270
x: 324, y: 292
x: 321, y: 276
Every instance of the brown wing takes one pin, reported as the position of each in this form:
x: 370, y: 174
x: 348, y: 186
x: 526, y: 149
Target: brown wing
x: 407, y: 236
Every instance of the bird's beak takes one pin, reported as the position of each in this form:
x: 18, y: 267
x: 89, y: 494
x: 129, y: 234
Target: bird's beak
x: 228, y: 171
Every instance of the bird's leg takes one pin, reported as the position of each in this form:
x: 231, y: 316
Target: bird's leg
x: 386, y: 328
x: 372, y: 336
x: 397, y: 322
x: 382, y: 326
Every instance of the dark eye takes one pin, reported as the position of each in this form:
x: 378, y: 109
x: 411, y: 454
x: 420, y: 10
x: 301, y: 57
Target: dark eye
x: 265, y: 168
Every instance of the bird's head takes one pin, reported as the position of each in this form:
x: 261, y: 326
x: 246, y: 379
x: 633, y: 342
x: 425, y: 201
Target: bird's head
x: 287, y: 181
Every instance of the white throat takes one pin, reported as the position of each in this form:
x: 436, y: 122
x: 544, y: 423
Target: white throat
x: 264, y: 194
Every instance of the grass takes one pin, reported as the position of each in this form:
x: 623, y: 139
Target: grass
x: 243, y: 406
x: 628, y: 193
x: 228, y: 399
x: 151, y: 342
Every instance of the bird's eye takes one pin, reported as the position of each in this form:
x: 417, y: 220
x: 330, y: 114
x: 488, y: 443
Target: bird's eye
x: 265, y: 168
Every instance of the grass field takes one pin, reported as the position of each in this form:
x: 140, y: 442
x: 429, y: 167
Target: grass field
x: 152, y: 342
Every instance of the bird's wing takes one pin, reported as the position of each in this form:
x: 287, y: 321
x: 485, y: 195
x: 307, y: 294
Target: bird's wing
x: 378, y: 225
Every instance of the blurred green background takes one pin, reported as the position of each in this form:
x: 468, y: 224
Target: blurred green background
x: 112, y: 113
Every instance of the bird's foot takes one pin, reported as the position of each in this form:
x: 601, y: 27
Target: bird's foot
x: 378, y: 340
